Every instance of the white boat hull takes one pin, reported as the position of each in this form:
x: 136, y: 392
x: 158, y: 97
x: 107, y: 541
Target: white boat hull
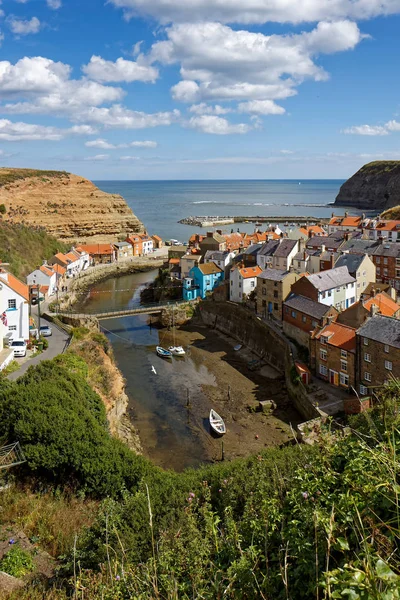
x: 216, y: 423
x: 177, y: 350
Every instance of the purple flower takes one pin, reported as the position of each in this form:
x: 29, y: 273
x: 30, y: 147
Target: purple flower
x: 305, y: 495
x: 192, y: 495
x: 225, y: 481
x: 11, y: 541
x: 118, y: 578
x: 190, y: 499
x: 220, y: 491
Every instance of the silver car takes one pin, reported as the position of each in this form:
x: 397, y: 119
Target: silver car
x: 19, y: 347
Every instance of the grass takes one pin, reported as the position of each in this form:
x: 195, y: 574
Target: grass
x: 24, y: 248
x: 10, y: 368
x: 9, y: 176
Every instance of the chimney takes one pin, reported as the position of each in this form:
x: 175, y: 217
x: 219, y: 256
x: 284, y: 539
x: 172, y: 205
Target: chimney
x: 302, y: 244
x: 209, y: 234
x: 346, y: 214
x: 323, y: 248
x: 330, y: 319
x: 373, y: 292
x: 392, y: 293
x: 291, y: 269
x: 374, y: 310
x: 347, y: 236
x: 333, y: 214
x: 332, y: 260
x: 45, y: 263
x: 363, y: 216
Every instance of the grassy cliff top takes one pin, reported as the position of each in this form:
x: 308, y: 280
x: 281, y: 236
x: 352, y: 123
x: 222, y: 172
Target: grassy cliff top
x: 8, y: 176
x: 24, y: 248
x: 391, y: 213
x: 380, y: 166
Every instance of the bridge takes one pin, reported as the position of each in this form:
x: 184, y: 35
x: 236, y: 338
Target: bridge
x: 148, y: 309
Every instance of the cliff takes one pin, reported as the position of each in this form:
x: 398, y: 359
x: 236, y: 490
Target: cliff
x: 67, y: 206
x: 376, y: 186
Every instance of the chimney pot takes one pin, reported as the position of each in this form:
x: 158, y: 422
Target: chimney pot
x: 374, y: 310
x: 209, y: 234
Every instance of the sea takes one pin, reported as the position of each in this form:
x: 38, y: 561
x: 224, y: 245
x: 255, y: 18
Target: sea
x: 161, y: 204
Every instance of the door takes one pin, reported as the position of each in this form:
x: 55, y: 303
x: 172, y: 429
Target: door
x: 333, y: 377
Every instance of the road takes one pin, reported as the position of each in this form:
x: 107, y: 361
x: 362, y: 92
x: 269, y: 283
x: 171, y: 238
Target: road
x: 57, y: 344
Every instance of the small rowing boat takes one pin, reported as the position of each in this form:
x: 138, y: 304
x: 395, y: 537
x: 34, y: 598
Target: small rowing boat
x: 216, y: 423
x: 177, y: 350
x: 163, y: 352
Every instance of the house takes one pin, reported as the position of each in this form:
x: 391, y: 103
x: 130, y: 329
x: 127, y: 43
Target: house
x: 60, y: 273
x: 335, y: 287
x: 305, y: 232
x: 147, y: 244
x: 273, y: 287
x: 177, y: 251
x: 243, y: 281
x: 202, y: 278
x: 357, y: 245
x: 376, y: 288
x: 330, y: 243
x: 44, y: 276
x: 380, y: 303
x: 222, y: 259
x: 266, y: 253
x: 378, y: 352
x: 135, y: 241
x: 157, y: 242
x: 195, y: 239
x: 212, y: 241
x: 174, y: 268
x: 123, y: 250
x: 189, y: 260
x: 302, y: 315
x: 236, y: 241
x: 345, y: 223
x: 361, y: 267
x: 388, y: 230
x: 284, y: 253
x: 99, y: 253
x: 249, y: 255
x: 14, y: 308
x: 333, y: 354
x: 386, y: 258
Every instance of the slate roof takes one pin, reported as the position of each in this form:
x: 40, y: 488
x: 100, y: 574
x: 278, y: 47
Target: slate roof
x: 351, y: 261
x: 215, y: 255
x: 216, y: 237
x: 321, y: 240
x: 254, y: 249
x: 388, y: 249
x: 309, y: 307
x: 357, y: 246
x: 273, y: 274
x: 327, y: 280
x: 385, y: 330
x: 285, y: 248
x: 269, y: 248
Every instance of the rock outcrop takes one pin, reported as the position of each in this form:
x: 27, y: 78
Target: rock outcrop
x: 67, y: 206
x: 376, y: 186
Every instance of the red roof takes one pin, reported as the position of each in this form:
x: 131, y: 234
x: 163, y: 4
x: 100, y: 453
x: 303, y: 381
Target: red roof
x: 346, y: 221
x: 174, y: 261
x: 47, y: 270
x: 59, y: 269
x: 156, y: 237
x: 15, y: 284
x: 312, y: 230
x: 339, y: 335
x: 388, y: 226
x: 97, y: 248
x: 386, y: 305
x: 248, y: 272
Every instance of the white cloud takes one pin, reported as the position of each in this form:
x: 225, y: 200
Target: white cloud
x: 119, y: 117
x: 216, y: 125
x: 219, y: 63
x: 120, y: 70
x: 54, y: 4
x: 144, y: 144
x: 19, y: 131
x: 286, y: 152
x: 366, y: 130
x: 98, y: 157
x: 127, y: 158
x: 393, y: 126
x: 257, y: 11
x: 104, y: 145
x: 23, y: 27
x: 83, y: 130
x: 261, y: 107
x: 206, y: 109
x: 100, y: 143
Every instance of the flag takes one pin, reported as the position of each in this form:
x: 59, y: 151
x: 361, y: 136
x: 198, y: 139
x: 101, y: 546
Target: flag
x: 4, y: 319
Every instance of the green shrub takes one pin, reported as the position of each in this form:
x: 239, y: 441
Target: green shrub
x: 17, y: 562
x: 3, y: 209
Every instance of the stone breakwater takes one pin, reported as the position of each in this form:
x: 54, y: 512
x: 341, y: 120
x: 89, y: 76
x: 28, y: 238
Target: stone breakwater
x: 209, y: 221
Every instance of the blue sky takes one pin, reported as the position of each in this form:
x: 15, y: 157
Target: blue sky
x: 192, y: 89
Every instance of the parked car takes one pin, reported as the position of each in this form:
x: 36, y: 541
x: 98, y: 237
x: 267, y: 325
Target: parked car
x: 45, y: 331
x: 19, y: 347
x: 35, y: 300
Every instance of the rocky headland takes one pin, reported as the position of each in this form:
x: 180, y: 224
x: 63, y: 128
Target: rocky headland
x: 376, y: 186
x: 67, y: 206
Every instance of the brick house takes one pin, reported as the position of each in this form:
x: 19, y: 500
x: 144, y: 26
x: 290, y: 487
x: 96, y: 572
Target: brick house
x: 378, y: 352
x: 302, y: 315
x: 359, y: 312
x: 135, y: 241
x: 334, y: 287
x: 273, y: 287
x: 386, y: 258
x: 212, y: 241
x: 123, y: 250
x: 99, y: 253
x: 333, y: 354
x: 157, y: 241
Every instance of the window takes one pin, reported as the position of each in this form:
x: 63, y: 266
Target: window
x: 378, y: 260
x: 367, y: 376
x: 275, y: 284
x: 343, y: 366
x: 386, y: 348
x: 276, y: 307
x: 240, y: 285
x: 264, y: 303
x: 252, y: 284
x: 323, y: 370
x: 232, y: 283
x: 286, y: 309
x: 363, y: 390
x: 338, y: 289
x: 12, y: 328
x: 329, y: 294
x: 343, y: 353
x: 385, y: 272
x: 323, y: 354
x: 367, y: 357
x: 364, y: 273
x: 12, y: 304
x: 323, y: 295
x: 314, y: 323
x: 275, y: 293
x: 365, y: 341
x: 378, y: 271
x: 298, y: 263
x: 344, y: 379
x: 397, y: 272
x: 304, y: 319
x: 385, y: 261
x: 294, y: 314
x: 388, y: 365
x: 324, y: 339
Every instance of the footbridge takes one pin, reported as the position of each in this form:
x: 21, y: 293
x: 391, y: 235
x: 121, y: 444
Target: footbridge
x: 148, y: 309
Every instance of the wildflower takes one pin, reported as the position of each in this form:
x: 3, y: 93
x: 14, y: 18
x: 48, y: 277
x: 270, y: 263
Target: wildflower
x: 118, y: 578
x: 11, y: 541
x: 191, y: 494
x: 190, y: 499
x: 318, y: 493
x: 220, y: 491
x: 305, y: 495
x: 225, y: 481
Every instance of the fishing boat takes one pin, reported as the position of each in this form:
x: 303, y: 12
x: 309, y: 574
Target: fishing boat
x: 163, y: 352
x: 216, y: 423
x: 177, y: 350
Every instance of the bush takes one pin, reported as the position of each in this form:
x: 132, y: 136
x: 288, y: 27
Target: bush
x: 3, y: 209
x: 17, y: 562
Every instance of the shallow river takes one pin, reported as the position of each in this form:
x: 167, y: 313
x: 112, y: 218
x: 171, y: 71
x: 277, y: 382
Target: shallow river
x: 171, y: 436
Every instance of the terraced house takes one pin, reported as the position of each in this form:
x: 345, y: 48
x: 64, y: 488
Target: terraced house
x: 333, y: 354
x: 334, y: 287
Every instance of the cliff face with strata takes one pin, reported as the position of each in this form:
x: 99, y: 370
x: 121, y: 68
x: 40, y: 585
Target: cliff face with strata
x: 68, y: 206
x: 376, y: 186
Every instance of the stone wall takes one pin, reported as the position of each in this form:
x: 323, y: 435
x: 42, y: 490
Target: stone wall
x: 266, y: 342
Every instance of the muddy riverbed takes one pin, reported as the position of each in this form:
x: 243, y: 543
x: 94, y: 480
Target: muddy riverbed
x: 170, y: 407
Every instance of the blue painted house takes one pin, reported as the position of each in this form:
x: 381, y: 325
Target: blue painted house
x: 202, y: 279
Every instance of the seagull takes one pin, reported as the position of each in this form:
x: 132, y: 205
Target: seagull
x: 153, y: 369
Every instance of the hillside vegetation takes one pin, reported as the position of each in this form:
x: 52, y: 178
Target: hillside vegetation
x: 8, y: 176
x: 294, y: 523
x: 391, y: 213
x: 24, y: 248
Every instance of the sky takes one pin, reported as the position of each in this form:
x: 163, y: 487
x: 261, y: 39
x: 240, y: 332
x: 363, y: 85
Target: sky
x: 199, y: 89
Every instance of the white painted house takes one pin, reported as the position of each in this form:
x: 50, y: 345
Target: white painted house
x: 44, y: 276
x: 242, y: 282
x: 333, y: 287
x: 14, y: 306
x: 147, y: 244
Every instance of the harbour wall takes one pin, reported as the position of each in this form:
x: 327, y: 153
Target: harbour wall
x: 267, y: 343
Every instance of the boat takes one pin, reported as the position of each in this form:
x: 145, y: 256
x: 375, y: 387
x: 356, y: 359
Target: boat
x: 177, y: 350
x: 163, y: 352
x: 216, y: 423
